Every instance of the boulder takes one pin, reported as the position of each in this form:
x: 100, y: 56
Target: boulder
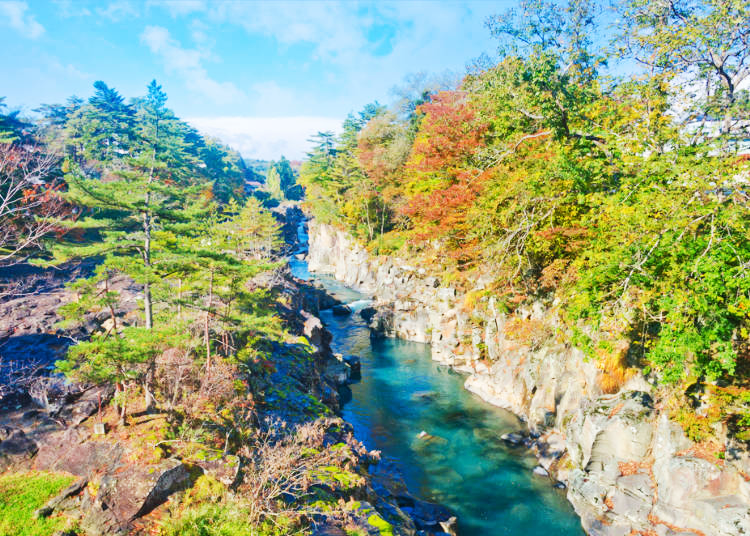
x: 540, y: 471
x: 341, y: 310
x: 15, y: 448
x: 428, y: 516
x: 225, y: 469
x: 337, y: 372
x: 354, y: 364
x: 512, y: 438
x: 368, y: 313
x: 121, y: 497
x: 74, y: 489
x: 314, y: 331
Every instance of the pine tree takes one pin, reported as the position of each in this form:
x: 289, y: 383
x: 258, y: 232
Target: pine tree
x: 105, y: 125
x: 138, y: 199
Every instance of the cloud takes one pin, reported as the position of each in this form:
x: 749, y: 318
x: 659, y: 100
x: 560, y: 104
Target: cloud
x: 336, y: 31
x: 119, y: 10
x: 68, y: 9
x: 16, y: 17
x: 187, y: 63
x: 360, y: 48
x: 266, y: 138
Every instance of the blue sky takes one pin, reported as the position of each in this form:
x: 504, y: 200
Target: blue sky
x: 262, y: 76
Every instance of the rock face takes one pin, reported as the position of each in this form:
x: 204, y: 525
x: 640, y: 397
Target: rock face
x: 30, y: 339
x: 628, y: 468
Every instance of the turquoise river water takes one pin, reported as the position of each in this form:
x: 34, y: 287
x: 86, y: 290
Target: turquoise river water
x: 465, y: 466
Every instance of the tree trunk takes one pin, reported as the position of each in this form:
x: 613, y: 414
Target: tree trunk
x: 206, y: 337
x: 147, y: 304
x: 120, y: 388
x: 111, y: 308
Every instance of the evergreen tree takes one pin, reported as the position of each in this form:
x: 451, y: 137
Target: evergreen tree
x: 273, y: 183
x: 138, y: 200
x: 11, y: 126
x: 104, y: 126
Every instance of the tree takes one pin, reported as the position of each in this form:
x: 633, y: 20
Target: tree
x: 281, y: 180
x: 700, y: 44
x: 119, y: 359
x: 103, y: 128
x: 29, y: 205
x: 273, y: 183
x: 214, y: 265
x: 11, y: 126
x: 138, y: 199
x: 253, y: 233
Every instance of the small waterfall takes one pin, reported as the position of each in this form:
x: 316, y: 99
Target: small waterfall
x: 358, y: 305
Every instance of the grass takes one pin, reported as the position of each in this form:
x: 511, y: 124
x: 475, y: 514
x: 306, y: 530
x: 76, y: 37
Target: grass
x: 225, y: 518
x: 21, y: 494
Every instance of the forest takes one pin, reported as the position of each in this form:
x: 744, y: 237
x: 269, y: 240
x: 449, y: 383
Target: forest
x: 622, y: 200
x: 180, y: 270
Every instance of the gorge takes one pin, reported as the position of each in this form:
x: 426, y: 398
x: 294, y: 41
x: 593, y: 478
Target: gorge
x: 512, y: 299
x: 627, y: 468
x: 445, y: 442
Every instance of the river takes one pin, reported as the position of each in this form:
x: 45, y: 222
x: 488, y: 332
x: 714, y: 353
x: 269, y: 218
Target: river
x: 460, y: 460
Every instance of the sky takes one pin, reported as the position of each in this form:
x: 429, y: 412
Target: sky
x: 261, y: 76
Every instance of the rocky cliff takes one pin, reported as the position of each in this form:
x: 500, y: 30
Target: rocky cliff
x: 627, y: 467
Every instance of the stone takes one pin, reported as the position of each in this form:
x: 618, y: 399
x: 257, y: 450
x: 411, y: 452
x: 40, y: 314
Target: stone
x: 314, y: 331
x: 225, y: 469
x: 337, y: 372
x: 122, y: 497
x: 328, y: 529
x: 354, y: 363
x: 341, y: 310
x: 368, y: 313
x: 74, y: 489
x: 513, y: 438
x: 450, y: 526
x: 540, y: 471
x: 15, y: 448
x: 427, y: 515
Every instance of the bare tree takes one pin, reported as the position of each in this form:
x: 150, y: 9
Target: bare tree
x: 29, y: 204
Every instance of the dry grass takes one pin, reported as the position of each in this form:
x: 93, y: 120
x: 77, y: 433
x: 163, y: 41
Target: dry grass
x: 615, y: 372
x: 529, y: 332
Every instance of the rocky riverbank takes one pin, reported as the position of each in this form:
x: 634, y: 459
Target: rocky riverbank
x: 125, y: 480
x: 627, y: 467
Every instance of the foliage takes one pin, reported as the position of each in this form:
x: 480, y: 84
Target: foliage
x: 144, y: 217
x: 281, y: 181
x: 29, y: 205
x: 21, y: 494
x: 621, y: 197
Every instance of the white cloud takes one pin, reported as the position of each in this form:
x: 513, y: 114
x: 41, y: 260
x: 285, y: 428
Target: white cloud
x: 119, y: 10
x: 266, y: 137
x: 187, y: 63
x: 16, y: 17
x: 68, y: 9
x: 336, y: 31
